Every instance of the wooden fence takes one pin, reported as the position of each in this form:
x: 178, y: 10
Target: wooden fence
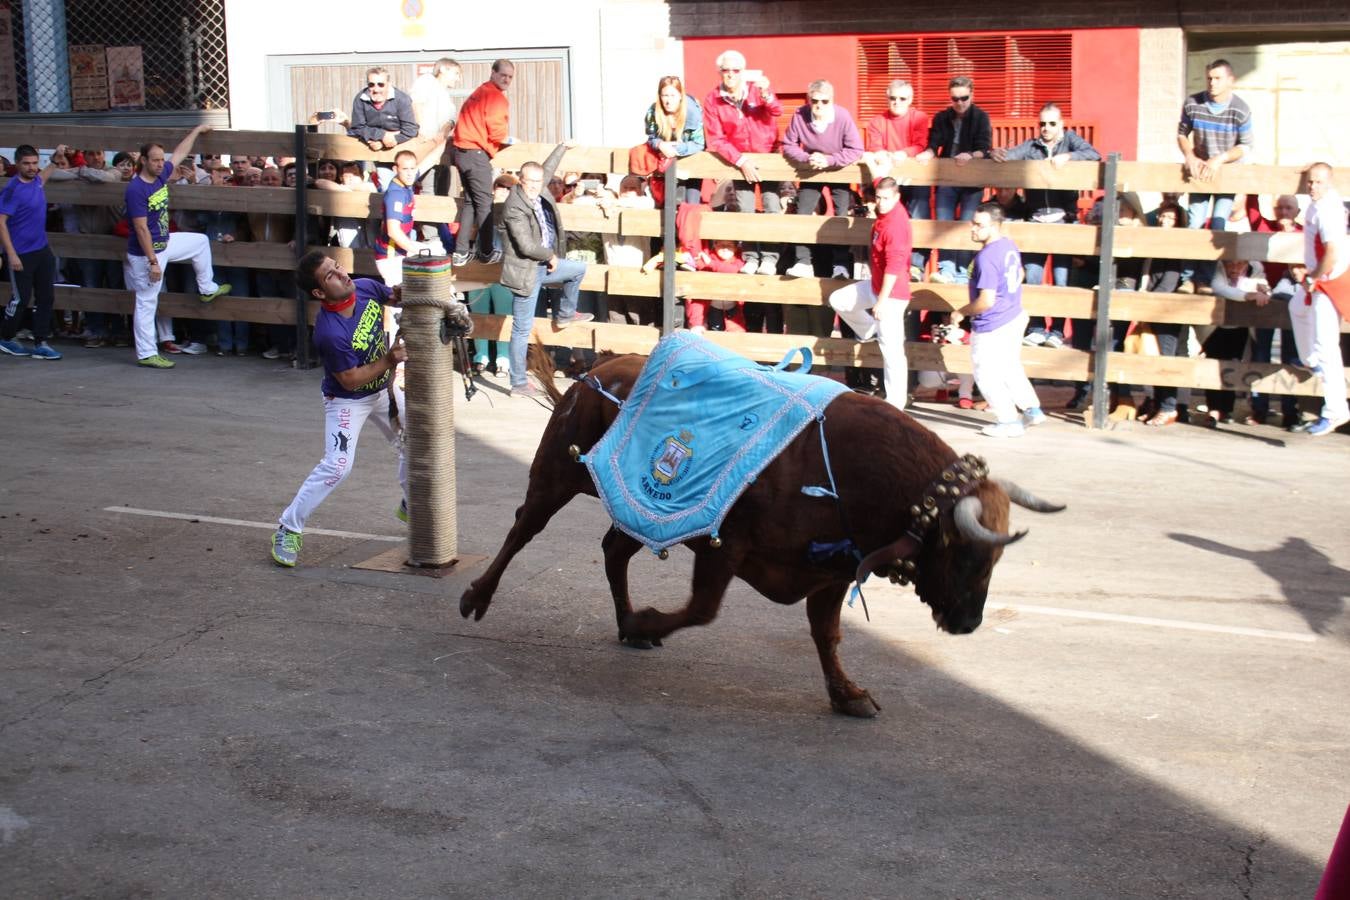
x: 1104, y: 243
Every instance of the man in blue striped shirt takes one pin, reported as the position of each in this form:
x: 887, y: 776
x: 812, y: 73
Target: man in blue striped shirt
x: 1215, y: 129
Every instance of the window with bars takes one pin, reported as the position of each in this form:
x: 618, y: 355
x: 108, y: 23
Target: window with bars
x: 95, y: 56
x: 1014, y: 74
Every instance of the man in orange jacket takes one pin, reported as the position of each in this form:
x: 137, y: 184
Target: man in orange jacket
x: 480, y: 133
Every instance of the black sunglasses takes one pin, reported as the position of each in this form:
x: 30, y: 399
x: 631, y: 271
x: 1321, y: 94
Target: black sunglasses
x: 1049, y: 124
x: 376, y: 83
x: 819, y: 102
x: 961, y: 99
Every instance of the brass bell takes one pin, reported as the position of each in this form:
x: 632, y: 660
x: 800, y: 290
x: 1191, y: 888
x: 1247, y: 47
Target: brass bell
x: 715, y: 543
x: 929, y: 503
x: 963, y: 478
x: 664, y: 554
x: 914, y: 511
x: 908, y: 565
x: 574, y: 451
x: 948, y: 476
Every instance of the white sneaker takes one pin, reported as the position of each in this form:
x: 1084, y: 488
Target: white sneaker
x: 1004, y: 430
x: 768, y: 267
x: 840, y: 272
x: 1034, y: 338
x: 271, y: 353
x: 751, y: 267
x: 802, y: 270
x: 195, y: 348
x: 1054, y: 340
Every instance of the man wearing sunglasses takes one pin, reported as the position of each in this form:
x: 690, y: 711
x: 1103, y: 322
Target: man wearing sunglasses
x: 960, y: 132
x: 898, y: 134
x: 1058, y: 146
x: 382, y: 115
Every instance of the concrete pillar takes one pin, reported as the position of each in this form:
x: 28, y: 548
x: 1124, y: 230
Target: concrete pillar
x: 44, y: 39
x: 1162, y: 90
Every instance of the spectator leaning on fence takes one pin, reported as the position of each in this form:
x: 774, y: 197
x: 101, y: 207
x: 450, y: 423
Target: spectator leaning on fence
x: 32, y: 266
x: 1317, y: 326
x: 1215, y: 129
x: 997, y: 323
x: 822, y: 136
x: 674, y: 126
x: 534, y: 242
x: 961, y: 132
x: 1058, y: 146
x: 898, y: 134
x: 481, y: 131
x: 150, y: 248
x: 382, y: 115
x: 740, y: 119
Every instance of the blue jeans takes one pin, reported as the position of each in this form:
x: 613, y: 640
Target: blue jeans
x: 232, y: 335
x: 918, y: 204
x: 1198, y: 216
x: 1263, y: 341
x: 954, y: 263
x: 567, y: 273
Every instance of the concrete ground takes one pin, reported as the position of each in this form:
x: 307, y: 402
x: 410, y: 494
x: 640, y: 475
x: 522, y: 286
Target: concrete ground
x: 1156, y: 705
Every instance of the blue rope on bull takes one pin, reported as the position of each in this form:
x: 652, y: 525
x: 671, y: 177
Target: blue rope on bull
x: 698, y: 427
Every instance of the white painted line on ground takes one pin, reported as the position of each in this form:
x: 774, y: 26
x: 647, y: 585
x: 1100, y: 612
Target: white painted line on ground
x: 1158, y: 623
x: 270, y: 526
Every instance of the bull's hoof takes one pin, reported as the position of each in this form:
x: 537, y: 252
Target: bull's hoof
x: 471, y: 603
x: 861, y: 707
x: 638, y: 643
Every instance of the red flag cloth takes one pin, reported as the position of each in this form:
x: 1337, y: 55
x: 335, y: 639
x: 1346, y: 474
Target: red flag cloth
x: 1336, y: 879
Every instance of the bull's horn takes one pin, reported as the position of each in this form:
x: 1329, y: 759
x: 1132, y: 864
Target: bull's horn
x: 967, y: 518
x: 878, y: 560
x: 1026, y: 499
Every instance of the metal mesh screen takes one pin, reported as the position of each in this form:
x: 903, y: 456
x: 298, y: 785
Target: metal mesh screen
x: 96, y: 56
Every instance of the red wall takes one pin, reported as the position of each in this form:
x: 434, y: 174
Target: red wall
x: 1105, y: 74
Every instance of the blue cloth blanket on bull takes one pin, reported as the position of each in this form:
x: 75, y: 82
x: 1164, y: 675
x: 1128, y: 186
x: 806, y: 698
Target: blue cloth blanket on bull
x: 699, y: 426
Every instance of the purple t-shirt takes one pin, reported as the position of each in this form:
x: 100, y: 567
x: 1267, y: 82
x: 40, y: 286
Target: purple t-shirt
x: 152, y: 202
x: 997, y: 268
x: 346, y: 342
x: 26, y: 206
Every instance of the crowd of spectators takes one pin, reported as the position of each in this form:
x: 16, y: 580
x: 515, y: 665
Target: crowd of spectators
x: 443, y: 146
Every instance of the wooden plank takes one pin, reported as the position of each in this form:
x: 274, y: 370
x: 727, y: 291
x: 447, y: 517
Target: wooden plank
x: 1078, y: 176
x: 116, y: 137
x: 264, y: 310
x: 1232, y: 179
x: 576, y: 159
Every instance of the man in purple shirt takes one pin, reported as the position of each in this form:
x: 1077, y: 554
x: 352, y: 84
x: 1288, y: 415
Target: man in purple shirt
x: 997, y: 322
x: 23, y: 233
x: 150, y: 248
x: 357, y: 364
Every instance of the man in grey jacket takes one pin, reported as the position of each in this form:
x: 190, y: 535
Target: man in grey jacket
x: 530, y: 260
x: 1058, y: 146
x: 382, y: 115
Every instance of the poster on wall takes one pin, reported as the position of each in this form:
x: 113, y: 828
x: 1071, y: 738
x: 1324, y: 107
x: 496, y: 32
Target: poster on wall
x: 126, y: 78
x: 88, y: 77
x: 9, y: 82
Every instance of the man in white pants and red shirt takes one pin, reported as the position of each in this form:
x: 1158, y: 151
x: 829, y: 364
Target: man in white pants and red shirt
x: 875, y: 309
x: 997, y: 323
x: 1317, y: 324
x: 150, y: 248
x: 349, y: 335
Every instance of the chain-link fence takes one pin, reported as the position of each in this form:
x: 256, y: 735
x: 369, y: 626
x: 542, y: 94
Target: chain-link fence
x: 63, y: 56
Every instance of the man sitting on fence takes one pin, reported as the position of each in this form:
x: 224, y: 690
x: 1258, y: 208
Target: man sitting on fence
x: 150, y: 248
x: 534, y: 238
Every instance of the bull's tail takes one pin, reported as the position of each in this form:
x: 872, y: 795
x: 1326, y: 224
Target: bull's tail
x: 540, y: 364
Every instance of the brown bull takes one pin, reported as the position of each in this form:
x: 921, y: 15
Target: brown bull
x: 887, y: 467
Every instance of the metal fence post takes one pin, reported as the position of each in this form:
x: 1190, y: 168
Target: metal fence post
x: 668, y: 251
x: 1106, y: 279
x: 301, y: 247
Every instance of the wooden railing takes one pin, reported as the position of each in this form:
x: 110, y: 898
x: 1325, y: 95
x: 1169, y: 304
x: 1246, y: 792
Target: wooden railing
x: 1074, y: 240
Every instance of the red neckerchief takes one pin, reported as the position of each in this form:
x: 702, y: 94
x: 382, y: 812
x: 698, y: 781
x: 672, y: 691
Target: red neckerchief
x: 341, y: 305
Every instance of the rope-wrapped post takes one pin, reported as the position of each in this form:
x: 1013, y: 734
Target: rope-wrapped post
x: 429, y: 307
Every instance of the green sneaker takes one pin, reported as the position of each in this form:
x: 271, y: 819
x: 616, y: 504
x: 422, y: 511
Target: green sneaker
x: 286, y: 547
x: 155, y: 362
x: 402, y: 512
x: 220, y: 291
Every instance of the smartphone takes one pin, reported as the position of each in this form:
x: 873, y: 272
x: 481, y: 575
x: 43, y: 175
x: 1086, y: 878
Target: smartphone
x: 325, y: 115
x: 588, y: 186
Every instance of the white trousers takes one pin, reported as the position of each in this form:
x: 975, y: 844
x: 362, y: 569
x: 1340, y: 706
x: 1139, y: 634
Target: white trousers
x: 183, y: 246
x: 854, y: 304
x: 343, y: 420
x: 996, y: 357
x: 1317, y: 331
